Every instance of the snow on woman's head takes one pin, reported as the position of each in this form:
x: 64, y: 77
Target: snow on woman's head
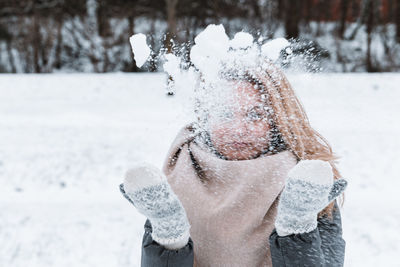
x: 235, y: 110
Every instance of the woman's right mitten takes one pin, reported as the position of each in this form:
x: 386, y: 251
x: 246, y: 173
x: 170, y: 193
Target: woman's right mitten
x: 146, y: 187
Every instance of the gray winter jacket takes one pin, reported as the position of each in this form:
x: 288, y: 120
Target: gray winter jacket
x: 322, y: 247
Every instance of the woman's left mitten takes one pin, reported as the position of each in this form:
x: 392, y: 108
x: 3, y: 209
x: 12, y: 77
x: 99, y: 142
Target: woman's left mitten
x: 309, y: 188
x: 146, y: 187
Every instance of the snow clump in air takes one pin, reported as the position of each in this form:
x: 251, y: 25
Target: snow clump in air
x: 140, y: 49
x: 214, y: 51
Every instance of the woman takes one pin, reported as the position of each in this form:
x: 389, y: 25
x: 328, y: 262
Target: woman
x: 249, y: 184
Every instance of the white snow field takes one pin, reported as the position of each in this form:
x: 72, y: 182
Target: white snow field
x: 66, y: 141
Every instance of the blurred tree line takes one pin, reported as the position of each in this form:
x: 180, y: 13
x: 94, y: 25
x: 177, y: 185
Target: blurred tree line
x: 92, y: 35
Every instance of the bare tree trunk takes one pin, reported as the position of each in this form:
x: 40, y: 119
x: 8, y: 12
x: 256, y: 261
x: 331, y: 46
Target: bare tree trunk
x: 255, y: 14
x: 171, y: 22
x: 270, y: 19
x: 292, y: 18
x: 398, y: 21
x: 307, y: 16
x: 362, y: 17
x: 103, y: 26
x: 57, y: 61
x: 45, y: 49
x: 36, y: 44
x: 106, y: 60
x: 153, y: 62
x: 171, y: 33
x: 370, y: 27
x: 308, y: 11
x: 280, y: 9
x: 11, y: 57
x: 344, y: 7
x: 131, y: 23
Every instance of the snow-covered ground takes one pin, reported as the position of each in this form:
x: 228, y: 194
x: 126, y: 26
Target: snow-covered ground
x: 67, y: 139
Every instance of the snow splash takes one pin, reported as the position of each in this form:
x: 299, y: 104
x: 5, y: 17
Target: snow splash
x: 214, y: 51
x: 216, y: 65
x: 219, y: 80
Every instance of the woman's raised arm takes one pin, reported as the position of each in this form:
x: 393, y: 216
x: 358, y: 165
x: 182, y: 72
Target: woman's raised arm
x: 166, y: 241
x: 301, y: 238
x: 156, y: 255
x: 324, y: 246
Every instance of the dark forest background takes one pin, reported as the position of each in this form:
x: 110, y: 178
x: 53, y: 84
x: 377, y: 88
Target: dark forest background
x: 42, y: 36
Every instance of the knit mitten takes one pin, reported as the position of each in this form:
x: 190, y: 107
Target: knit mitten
x: 146, y: 187
x: 309, y: 188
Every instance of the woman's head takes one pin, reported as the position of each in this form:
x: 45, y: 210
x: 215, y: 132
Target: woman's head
x: 239, y: 127
x: 262, y: 99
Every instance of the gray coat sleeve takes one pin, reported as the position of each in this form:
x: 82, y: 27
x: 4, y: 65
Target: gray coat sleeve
x: 155, y: 255
x: 323, y: 246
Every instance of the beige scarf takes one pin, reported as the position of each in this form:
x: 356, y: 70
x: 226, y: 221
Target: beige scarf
x: 231, y: 205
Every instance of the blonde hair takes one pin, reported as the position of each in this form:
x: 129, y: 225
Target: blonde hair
x: 290, y: 119
x: 292, y: 122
